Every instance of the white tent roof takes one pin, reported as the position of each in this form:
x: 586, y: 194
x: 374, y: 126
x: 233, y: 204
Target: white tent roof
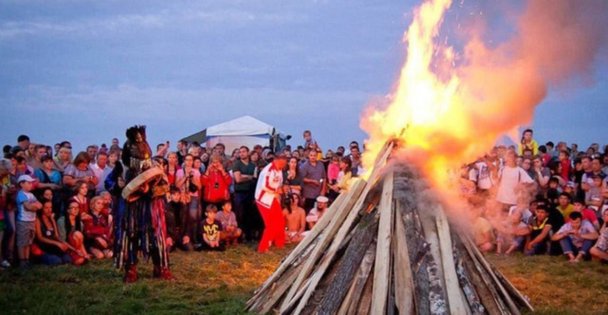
x: 242, y: 126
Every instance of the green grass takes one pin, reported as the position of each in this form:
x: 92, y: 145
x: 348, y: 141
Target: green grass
x: 221, y: 283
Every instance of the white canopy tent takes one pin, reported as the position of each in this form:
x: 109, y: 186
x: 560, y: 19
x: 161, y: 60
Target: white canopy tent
x: 244, y: 130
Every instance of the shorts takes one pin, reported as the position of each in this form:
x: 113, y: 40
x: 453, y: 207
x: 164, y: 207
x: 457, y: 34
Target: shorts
x: 25, y: 233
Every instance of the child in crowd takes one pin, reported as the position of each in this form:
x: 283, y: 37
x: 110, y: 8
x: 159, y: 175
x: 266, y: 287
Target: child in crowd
x: 576, y: 237
x: 27, y: 206
x: 588, y: 214
x: 212, y: 230
x: 97, y: 230
x: 295, y: 219
x: 230, y: 229
x: 540, y: 227
x: 174, y: 214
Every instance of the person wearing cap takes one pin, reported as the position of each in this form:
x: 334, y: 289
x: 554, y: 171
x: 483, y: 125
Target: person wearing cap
x: 268, y: 199
x: 27, y: 206
x: 317, y: 212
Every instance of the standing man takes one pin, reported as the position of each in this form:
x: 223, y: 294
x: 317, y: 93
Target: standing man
x: 313, y: 180
x: 268, y: 198
x: 182, y: 151
x: 101, y: 171
x: 244, y: 188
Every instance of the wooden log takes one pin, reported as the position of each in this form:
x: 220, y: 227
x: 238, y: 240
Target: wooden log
x: 365, y: 301
x: 351, y: 300
x: 520, y: 299
x: 383, y: 250
x: 404, y: 284
x: 338, y: 204
x: 349, y: 264
x: 506, y: 297
x: 465, y: 282
x: 456, y: 300
x: 342, y: 232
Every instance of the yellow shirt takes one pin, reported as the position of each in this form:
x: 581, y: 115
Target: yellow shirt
x: 566, y: 212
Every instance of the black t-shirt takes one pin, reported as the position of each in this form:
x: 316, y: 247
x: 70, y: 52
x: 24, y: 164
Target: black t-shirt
x: 248, y: 169
x: 212, y: 230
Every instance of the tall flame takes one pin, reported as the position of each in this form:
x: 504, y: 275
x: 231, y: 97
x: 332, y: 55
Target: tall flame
x: 422, y: 103
x: 447, y: 116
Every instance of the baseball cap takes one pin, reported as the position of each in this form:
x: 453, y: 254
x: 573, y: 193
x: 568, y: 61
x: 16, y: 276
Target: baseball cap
x: 25, y: 178
x: 322, y: 199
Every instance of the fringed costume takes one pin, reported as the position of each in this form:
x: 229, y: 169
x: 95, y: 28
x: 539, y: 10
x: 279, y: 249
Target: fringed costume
x: 140, y: 210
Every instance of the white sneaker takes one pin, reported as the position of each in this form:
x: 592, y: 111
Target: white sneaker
x: 5, y: 264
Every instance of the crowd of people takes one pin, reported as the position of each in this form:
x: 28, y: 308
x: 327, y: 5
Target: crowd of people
x: 58, y: 208
x: 540, y: 199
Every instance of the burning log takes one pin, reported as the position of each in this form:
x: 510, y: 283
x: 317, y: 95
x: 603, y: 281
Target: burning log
x: 387, y: 247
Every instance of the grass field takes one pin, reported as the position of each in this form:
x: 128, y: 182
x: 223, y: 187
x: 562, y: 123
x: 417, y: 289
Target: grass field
x: 220, y: 283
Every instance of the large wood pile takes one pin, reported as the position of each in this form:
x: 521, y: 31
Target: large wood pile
x: 386, y: 247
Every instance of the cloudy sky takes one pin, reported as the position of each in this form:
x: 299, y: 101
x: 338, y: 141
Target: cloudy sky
x: 86, y: 70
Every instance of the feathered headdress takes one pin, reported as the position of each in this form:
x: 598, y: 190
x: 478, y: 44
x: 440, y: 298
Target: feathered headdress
x: 133, y: 131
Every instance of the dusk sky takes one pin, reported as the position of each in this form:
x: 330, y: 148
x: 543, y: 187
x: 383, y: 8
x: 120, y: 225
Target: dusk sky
x: 86, y: 70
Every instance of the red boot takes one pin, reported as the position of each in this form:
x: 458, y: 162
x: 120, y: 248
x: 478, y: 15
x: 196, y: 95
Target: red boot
x: 162, y: 273
x: 130, y: 274
x: 165, y: 274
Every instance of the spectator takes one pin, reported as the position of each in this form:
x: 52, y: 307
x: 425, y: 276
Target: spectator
x: 293, y: 180
x: 211, y: 230
x: 73, y: 230
x: 295, y: 220
x: 317, y: 213
x: 357, y: 163
x: 182, y: 151
x: 600, y: 250
x: 513, y: 235
x: 79, y: 170
x: 97, y: 228
x: 564, y: 206
x: 92, y: 153
x: 344, y: 178
x: 588, y: 214
x: 173, y: 166
x: 27, y: 206
x: 542, y: 174
x: 230, y: 229
x: 566, y: 167
x: 63, y: 159
x: 576, y: 237
x: 244, y: 172
x: 513, y: 181
x: 54, y: 251
x: 540, y: 227
x: 313, y: 177
x: 216, y: 182
x: 188, y: 180
x: 308, y: 139
x: 23, y: 141
x: 527, y: 143
x: 81, y: 191
x: 174, y: 219
x: 50, y: 178
x: 101, y: 171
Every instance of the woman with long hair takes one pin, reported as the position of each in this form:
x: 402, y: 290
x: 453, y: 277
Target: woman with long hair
x: 188, y: 180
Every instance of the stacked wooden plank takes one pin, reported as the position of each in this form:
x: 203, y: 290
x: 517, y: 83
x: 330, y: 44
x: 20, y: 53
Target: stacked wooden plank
x: 386, y: 247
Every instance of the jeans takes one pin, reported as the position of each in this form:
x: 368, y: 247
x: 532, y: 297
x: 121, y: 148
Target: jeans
x: 568, y: 246
x: 54, y: 260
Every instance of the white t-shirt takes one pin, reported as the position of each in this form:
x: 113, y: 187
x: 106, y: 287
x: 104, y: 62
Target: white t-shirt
x: 480, y: 174
x: 510, y: 178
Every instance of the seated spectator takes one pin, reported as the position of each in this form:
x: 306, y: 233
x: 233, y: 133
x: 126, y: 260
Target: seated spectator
x: 230, y: 229
x: 576, y: 237
x: 483, y: 232
x: 588, y: 214
x: 317, y: 212
x: 600, y: 250
x: 540, y: 226
x: 53, y: 250
x: 564, y: 206
x: 174, y: 214
x: 513, y: 235
x: 97, y: 229
x: 295, y: 220
x: 81, y: 190
x: 211, y: 231
x: 73, y: 230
